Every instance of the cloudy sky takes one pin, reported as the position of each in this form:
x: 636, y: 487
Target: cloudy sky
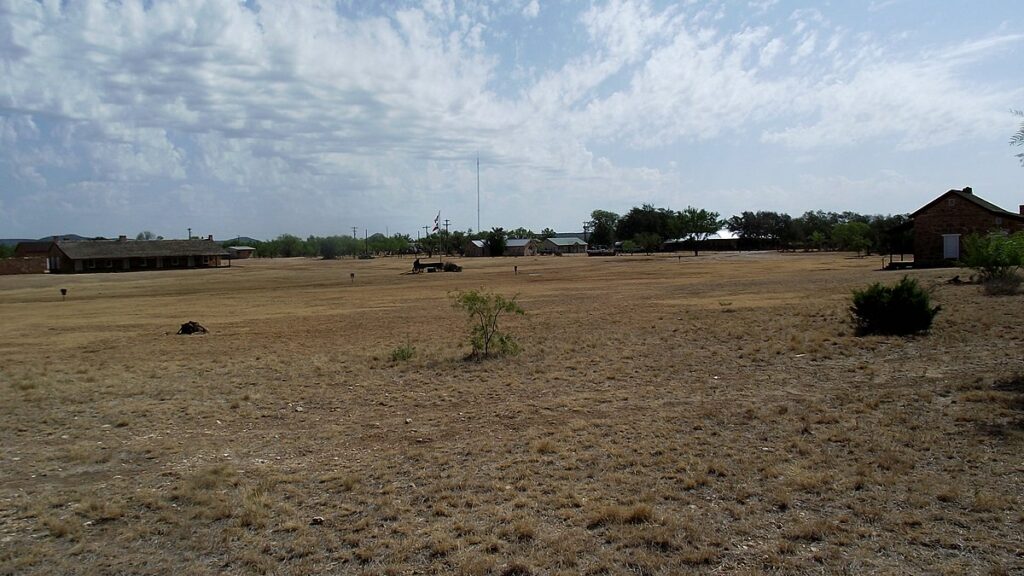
x: 310, y: 117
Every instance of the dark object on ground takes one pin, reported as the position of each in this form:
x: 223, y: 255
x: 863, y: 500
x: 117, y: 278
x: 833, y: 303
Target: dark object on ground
x: 192, y: 327
x: 601, y: 252
x: 900, y: 265
x: 418, y: 267
x: 955, y: 280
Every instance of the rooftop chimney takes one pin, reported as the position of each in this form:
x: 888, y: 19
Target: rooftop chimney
x: 122, y: 238
x: 210, y: 237
x: 967, y: 190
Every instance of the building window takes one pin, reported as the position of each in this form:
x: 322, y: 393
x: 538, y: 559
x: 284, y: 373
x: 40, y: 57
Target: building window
x: 110, y: 264
x: 174, y: 261
x: 999, y: 220
x: 91, y: 263
x: 142, y: 263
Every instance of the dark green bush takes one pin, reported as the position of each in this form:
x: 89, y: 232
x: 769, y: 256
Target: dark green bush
x: 899, y: 310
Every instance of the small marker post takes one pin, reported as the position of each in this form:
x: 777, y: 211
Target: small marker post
x: 352, y: 277
x: 63, y: 294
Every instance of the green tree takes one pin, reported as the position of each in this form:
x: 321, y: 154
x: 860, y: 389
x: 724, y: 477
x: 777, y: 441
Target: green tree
x: 330, y: 247
x: 496, y: 242
x: 483, y: 310
x: 431, y: 244
x: 648, y: 241
x: 647, y: 219
x: 547, y: 233
x: 6, y: 251
x: 764, y: 229
x: 290, y: 246
x: 602, y: 227
x: 817, y: 240
x: 457, y: 241
x: 997, y: 258
x: 853, y: 236
x: 696, y: 225
x: 145, y: 235
x: 521, y: 233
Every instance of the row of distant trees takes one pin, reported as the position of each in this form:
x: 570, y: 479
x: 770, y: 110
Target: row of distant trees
x: 330, y: 247
x: 647, y: 227
x: 644, y: 228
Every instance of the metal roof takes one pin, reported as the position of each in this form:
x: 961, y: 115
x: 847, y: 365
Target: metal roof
x: 519, y: 242
x: 91, y: 249
x: 968, y: 194
x: 573, y: 241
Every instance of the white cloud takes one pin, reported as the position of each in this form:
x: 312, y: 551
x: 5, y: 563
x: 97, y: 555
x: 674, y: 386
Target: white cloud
x: 532, y: 9
x: 320, y: 114
x: 771, y: 51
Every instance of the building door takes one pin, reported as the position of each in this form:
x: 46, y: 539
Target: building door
x: 951, y: 246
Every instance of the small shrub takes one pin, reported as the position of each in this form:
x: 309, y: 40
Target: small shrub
x: 403, y: 353
x: 483, y: 310
x: 895, y: 310
x: 997, y: 258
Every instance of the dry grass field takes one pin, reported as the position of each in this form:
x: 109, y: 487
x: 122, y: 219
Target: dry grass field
x: 667, y: 415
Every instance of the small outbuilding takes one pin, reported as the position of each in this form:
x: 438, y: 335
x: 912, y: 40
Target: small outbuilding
x: 521, y: 247
x: 240, y: 252
x: 940, y: 225
x: 477, y: 248
x: 570, y: 245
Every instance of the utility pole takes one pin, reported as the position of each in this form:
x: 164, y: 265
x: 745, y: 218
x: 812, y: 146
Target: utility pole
x: 189, y: 234
x: 446, y: 235
x: 354, y: 232
x: 366, y: 243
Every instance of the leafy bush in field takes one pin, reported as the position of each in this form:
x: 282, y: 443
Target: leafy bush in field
x: 483, y: 310
x: 997, y: 258
x: 403, y: 353
x: 899, y: 310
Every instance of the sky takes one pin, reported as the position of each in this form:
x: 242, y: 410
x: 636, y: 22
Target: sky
x: 261, y: 117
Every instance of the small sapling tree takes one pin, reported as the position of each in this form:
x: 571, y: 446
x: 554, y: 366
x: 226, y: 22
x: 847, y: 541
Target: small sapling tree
x: 997, y: 258
x: 483, y: 310
x: 899, y: 310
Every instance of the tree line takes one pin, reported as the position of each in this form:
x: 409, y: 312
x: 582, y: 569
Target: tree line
x: 330, y: 247
x: 651, y: 229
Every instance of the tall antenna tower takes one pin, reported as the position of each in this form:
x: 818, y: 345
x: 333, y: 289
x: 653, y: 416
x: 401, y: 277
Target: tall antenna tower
x: 478, y: 193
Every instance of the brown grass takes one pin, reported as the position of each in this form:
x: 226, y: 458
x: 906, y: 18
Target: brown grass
x: 710, y: 414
